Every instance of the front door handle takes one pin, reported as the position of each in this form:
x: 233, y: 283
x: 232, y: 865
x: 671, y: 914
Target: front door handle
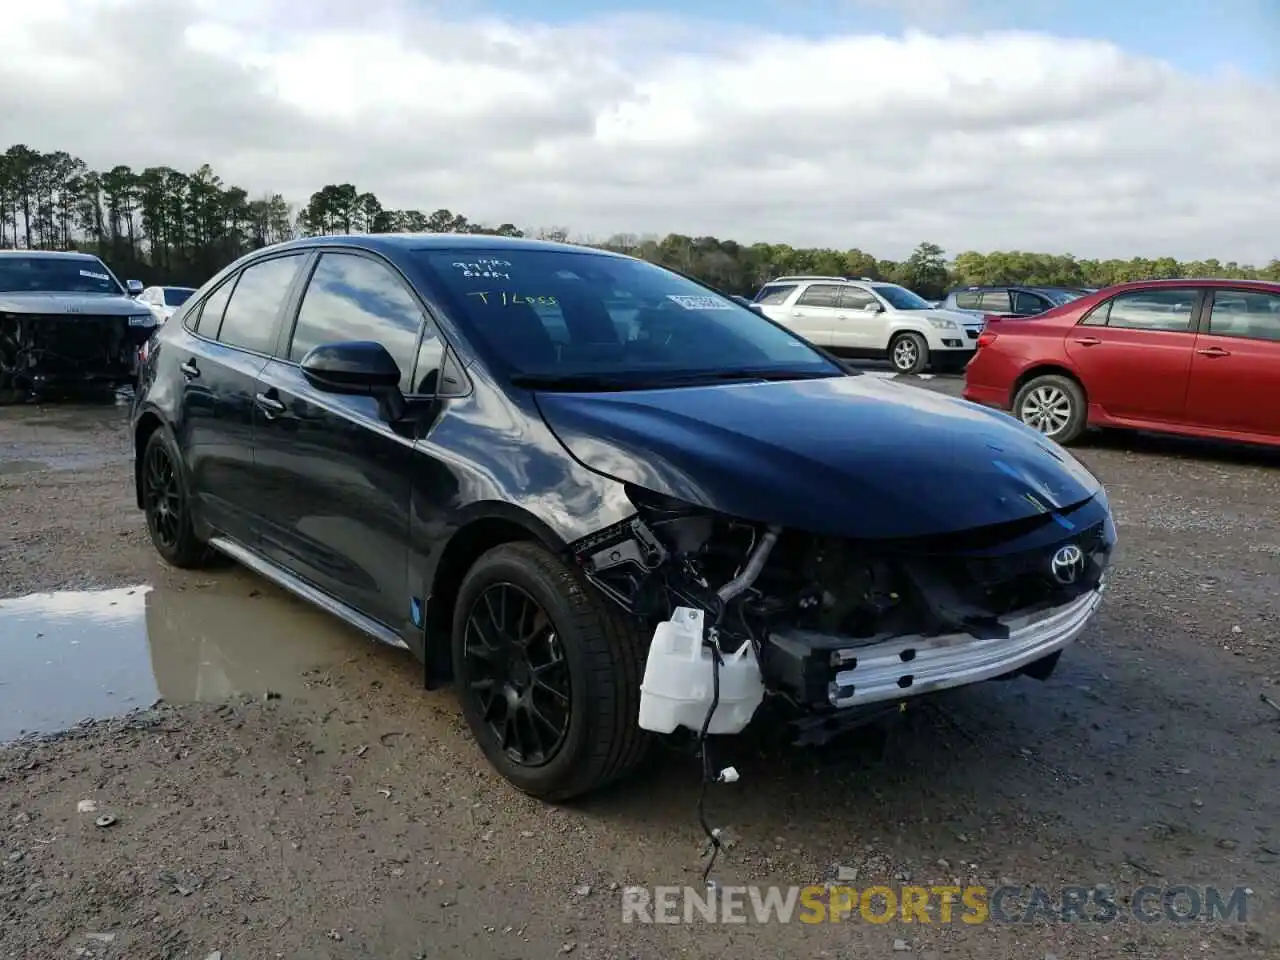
x: 1214, y: 352
x: 1088, y: 341
x: 190, y: 370
x: 269, y: 405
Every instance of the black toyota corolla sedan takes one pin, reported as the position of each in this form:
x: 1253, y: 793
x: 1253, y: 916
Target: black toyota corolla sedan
x: 601, y: 499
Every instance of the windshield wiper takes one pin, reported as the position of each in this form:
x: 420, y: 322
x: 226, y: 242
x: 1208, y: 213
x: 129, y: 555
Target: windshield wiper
x: 638, y: 381
x: 573, y: 381
x: 745, y: 376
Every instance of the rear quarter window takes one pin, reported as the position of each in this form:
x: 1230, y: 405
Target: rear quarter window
x: 775, y: 294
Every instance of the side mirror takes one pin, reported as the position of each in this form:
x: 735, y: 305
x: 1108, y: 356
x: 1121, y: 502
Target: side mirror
x: 873, y: 307
x: 357, y: 368
x: 134, y: 287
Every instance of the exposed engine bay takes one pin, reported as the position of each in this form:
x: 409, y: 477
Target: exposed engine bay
x: 40, y: 350
x: 811, y: 607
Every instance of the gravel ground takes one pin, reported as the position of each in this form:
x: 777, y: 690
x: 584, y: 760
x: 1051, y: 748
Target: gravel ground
x: 351, y: 816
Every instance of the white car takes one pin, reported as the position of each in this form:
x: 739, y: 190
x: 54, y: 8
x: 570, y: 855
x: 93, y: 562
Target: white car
x: 870, y: 319
x: 163, y: 301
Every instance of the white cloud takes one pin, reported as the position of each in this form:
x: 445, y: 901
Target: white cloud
x: 643, y: 125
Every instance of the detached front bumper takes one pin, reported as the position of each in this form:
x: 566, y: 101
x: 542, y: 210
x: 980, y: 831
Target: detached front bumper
x: 808, y: 667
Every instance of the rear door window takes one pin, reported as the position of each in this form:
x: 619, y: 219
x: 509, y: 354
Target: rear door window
x: 251, y: 320
x: 209, y: 317
x: 1166, y: 310
x: 820, y: 295
x: 996, y: 301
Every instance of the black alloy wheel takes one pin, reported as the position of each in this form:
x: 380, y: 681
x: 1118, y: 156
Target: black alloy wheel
x: 548, y: 673
x: 517, y: 674
x: 162, y: 498
x: 167, y: 506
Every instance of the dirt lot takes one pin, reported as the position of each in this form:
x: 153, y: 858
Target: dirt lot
x: 317, y: 803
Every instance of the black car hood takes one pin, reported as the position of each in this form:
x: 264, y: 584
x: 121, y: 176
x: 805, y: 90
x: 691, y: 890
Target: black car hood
x: 846, y: 456
x: 91, y: 304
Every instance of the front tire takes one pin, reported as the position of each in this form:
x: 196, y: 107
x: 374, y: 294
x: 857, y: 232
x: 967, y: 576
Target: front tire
x: 1054, y: 405
x: 166, y: 501
x: 908, y: 353
x: 548, y: 674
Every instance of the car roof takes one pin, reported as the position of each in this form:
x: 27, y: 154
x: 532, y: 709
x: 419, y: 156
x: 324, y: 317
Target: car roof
x: 50, y: 254
x: 1269, y: 286
x: 400, y: 243
x: 1033, y: 287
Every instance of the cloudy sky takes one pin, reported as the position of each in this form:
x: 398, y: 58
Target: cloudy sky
x: 1096, y: 127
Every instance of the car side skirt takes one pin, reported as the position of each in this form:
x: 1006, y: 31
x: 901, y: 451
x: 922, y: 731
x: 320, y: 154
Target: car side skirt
x: 303, y: 590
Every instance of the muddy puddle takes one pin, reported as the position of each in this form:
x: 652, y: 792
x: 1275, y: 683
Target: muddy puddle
x: 64, y: 437
x: 71, y: 656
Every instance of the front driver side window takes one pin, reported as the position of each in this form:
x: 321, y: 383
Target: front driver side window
x: 1028, y: 303
x: 353, y: 297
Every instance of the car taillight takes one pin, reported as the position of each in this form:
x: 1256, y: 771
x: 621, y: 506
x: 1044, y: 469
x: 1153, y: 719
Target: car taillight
x: 987, y: 336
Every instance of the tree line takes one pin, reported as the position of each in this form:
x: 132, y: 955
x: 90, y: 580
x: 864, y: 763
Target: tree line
x: 162, y: 225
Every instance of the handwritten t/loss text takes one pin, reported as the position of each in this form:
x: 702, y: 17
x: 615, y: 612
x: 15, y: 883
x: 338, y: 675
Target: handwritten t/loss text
x: 510, y: 299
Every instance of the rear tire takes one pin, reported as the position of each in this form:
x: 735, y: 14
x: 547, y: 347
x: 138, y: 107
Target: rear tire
x: 1055, y: 406
x: 596, y: 667
x: 166, y: 501
x: 908, y: 353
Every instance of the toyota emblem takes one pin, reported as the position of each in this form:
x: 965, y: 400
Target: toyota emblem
x: 1067, y: 564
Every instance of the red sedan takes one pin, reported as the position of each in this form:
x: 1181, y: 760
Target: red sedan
x: 1194, y: 357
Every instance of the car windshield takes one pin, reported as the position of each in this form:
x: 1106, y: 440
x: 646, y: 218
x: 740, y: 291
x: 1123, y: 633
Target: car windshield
x: 176, y: 296
x: 900, y: 298
x: 37, y: 274
x: 551, y: 315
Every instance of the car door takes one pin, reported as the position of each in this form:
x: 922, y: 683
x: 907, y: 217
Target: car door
x: 1235, y: 366
x: 1133, y: 353
x: 814, y: 311
x: 235, y: 331
x: 854, y: 326
x: 333, y: 477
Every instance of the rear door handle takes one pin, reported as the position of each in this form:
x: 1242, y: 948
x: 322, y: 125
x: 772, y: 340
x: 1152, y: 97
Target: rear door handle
x: 1088, y: 341
x: 1214, y: 352
x: 269, y: 405
x: 190, y: 370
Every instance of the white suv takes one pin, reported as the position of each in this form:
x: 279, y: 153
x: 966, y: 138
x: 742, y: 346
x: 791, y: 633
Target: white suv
x: 867, y: 318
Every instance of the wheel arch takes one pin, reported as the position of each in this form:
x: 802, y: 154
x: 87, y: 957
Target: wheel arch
x: 147, y: 424
x: 1046, y: 370
x: 482, y: 527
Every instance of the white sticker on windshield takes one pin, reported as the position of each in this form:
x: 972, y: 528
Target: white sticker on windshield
x: 95, y: 276
x: 700, y: 303
x: 492, y: 269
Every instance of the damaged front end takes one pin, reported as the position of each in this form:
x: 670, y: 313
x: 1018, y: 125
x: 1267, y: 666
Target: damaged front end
x: 838, y: 628
x: 44, y: 351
